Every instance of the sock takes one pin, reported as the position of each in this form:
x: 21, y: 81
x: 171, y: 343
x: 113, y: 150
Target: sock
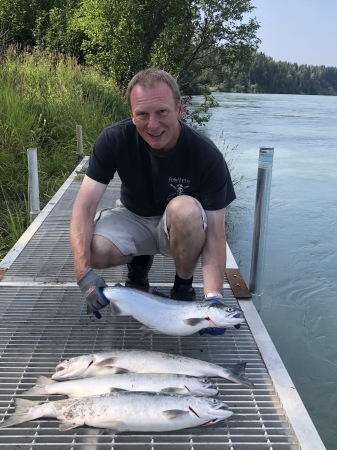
x: 181, y: 281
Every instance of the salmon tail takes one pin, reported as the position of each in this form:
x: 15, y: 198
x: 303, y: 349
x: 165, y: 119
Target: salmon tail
x: 23, y: 413
x: 146, y: 331
x: 237, y: 374
x: 40, y: 387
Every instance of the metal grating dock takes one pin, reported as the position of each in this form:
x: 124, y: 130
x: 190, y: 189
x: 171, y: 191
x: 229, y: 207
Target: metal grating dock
x: 43, y: 320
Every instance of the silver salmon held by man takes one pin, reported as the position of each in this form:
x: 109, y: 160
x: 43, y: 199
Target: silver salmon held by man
x: 145, y: 361
x: 146, y: 382
x: 125, y: 411
x: 172, y: 317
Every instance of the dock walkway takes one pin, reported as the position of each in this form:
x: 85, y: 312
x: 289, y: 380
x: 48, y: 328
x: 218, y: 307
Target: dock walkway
x: 43, y: 320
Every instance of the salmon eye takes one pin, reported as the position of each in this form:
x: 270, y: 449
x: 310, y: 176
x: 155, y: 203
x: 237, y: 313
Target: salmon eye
x: 229, y: 309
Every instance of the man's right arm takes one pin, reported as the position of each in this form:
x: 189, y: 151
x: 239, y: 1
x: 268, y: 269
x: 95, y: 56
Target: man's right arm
x: 82, y: 223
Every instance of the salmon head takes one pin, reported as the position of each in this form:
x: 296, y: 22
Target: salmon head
x: 222, y: 315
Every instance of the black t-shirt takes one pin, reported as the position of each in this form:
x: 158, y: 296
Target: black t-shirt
x: 194, y: 167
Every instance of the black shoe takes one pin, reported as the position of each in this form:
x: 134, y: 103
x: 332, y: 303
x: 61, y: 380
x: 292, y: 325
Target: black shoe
x: 184, y: 292
x: 138, y: 273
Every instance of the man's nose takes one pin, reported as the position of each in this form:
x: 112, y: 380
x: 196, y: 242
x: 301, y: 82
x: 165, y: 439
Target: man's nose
x: 153, y: 121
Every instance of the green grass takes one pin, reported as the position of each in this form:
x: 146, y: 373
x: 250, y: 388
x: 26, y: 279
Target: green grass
x: 42, y: 99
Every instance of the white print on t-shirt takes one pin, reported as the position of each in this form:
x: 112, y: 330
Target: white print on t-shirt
x: 179, y: 186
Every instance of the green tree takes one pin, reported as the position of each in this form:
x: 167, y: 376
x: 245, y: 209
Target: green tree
x: 188, y: 38
x: 123, y: 37
x: 56, y: 30
x: 221, y: 38
x: 18, y: 17
x: 31, y: 22
x: 181, y: 36
x: 264, y: 74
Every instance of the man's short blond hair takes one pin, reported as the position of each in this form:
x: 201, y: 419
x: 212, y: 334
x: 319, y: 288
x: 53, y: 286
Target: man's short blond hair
x: 150, y: 77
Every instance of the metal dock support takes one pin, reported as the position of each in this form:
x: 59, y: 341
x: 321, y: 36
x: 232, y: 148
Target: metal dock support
x: 43, y: 321
x: 263, y: 187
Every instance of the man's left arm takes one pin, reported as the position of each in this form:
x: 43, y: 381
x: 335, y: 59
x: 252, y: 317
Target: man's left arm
x: 214, y: 252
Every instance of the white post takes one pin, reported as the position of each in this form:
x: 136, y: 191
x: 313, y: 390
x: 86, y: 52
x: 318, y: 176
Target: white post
x: 34, y: 195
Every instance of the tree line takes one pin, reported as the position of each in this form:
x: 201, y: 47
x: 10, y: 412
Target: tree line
x: 205, y: 43
x: 121, y: 37
x: 265, y: 75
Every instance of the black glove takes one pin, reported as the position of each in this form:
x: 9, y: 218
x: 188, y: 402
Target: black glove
x: 92, y: 286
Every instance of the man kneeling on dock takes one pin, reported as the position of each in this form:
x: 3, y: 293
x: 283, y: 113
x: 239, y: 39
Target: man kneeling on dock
x: 175, y: 185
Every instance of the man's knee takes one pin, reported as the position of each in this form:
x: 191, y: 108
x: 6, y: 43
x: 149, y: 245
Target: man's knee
x: 184, y: 209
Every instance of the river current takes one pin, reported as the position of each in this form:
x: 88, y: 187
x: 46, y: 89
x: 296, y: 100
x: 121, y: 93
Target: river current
x: 299, y: 301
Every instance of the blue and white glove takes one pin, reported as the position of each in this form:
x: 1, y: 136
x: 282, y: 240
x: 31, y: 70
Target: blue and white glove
x: 91, y: 285
x: 212, y: 330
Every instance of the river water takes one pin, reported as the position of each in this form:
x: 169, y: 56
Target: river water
x: 299, y: 301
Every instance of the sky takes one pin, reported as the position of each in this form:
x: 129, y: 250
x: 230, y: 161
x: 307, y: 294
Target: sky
x: 298, y: 31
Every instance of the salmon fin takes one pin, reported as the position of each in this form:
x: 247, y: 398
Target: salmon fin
x: 146, y: 331
x: 22, y: 413
x: 113, y: 389
x: 41, y: 381
x: 193, y: 321
x: 121, y: 370
x: 173, y: 390
x: 67, y: 425
x: 174, y: 413
x: 110, y: 362
x: 39, y: 388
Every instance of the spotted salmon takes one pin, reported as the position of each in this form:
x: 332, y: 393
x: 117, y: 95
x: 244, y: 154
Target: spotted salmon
x: 125, y: 411
x: 143, y: 361
x: 148, y: 382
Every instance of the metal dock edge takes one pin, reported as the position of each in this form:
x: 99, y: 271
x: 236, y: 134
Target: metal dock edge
x: 43, y: 321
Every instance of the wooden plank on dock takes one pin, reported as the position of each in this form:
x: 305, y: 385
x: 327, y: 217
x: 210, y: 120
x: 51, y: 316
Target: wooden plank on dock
x: 237, y: 284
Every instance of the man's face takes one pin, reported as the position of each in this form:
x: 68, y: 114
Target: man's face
x: 155, y: 115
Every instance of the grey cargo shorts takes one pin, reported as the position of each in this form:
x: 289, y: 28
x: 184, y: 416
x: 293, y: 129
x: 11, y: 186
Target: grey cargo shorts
x: 133, y: 234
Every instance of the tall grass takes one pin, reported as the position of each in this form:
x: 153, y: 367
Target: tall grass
x: 42, y: 99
